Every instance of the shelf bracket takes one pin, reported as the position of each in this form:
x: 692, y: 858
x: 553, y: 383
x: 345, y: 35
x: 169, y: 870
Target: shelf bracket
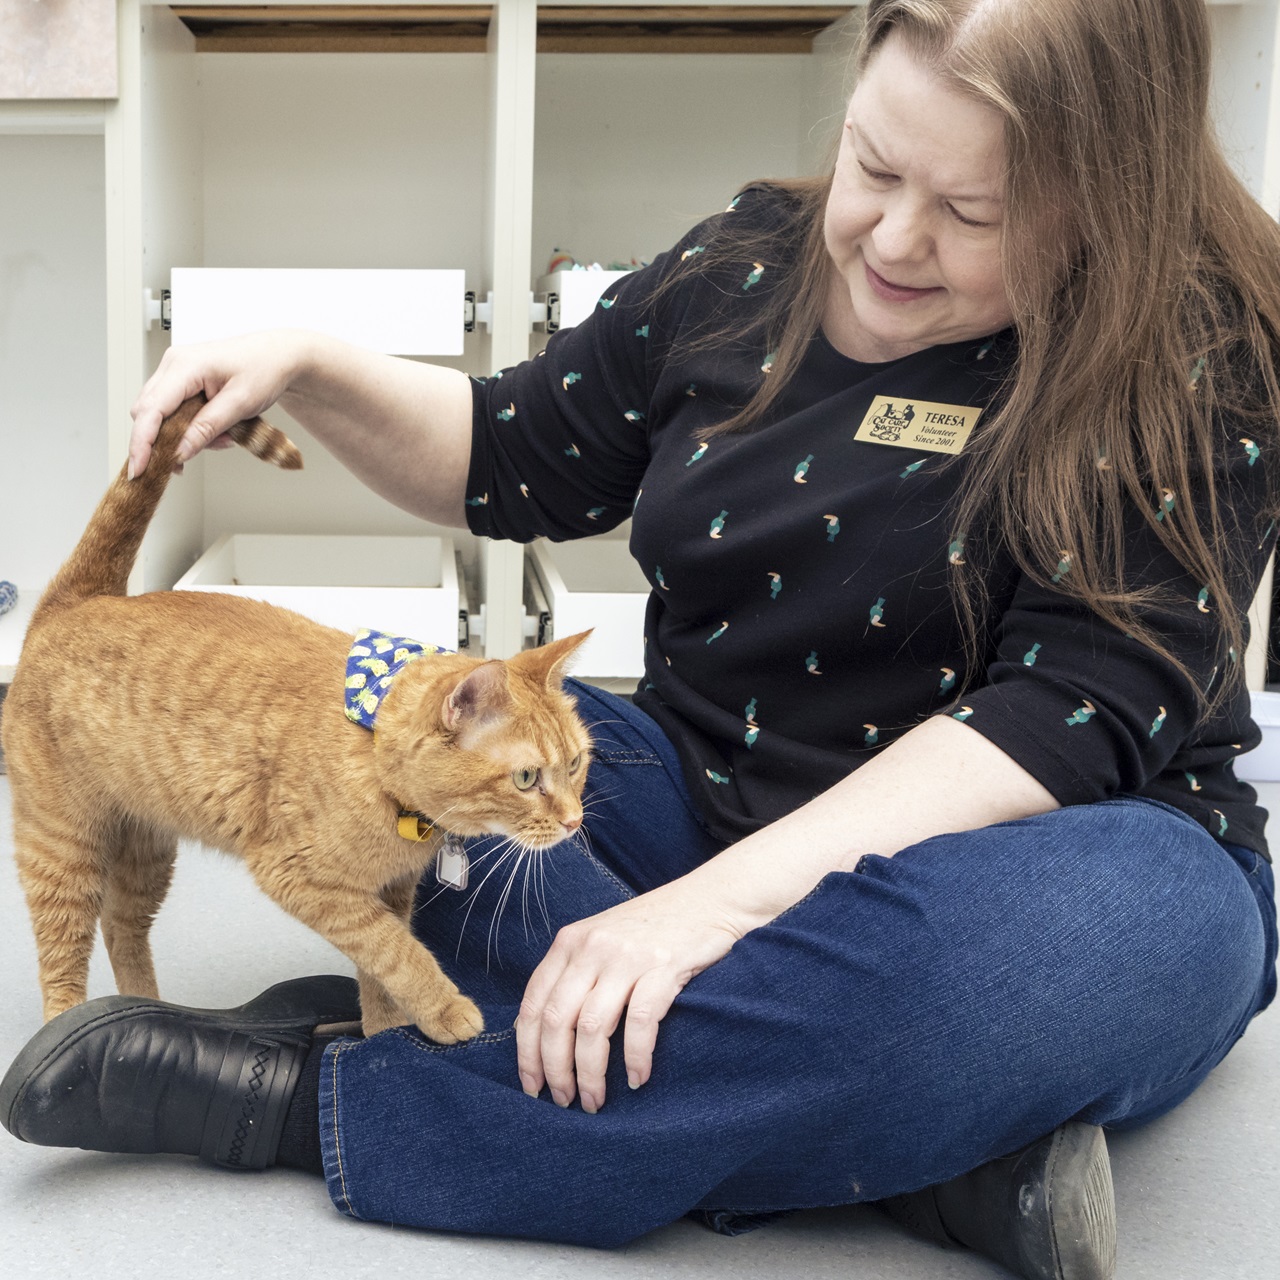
x: 157, y: 309
x: 545, y: 312
x: 474, y: 313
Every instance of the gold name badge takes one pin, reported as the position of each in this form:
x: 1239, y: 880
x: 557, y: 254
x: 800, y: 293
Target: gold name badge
x: 918, y: 424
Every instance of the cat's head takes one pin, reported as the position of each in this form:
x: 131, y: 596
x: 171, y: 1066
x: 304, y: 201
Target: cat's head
x: 488, y: 747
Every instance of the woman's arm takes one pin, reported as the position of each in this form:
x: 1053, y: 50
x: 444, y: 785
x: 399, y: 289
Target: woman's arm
x: 639, y: 955
x: 402, y: 427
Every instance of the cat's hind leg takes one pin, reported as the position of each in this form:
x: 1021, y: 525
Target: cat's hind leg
x: 139, y: 873
x: 60, y: 862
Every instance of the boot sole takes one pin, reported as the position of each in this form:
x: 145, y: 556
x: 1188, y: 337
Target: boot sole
x: 1083, y: 1214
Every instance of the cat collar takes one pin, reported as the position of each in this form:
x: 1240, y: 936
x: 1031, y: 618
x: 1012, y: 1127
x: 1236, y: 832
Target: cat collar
x: 373, y: 663
x: 452, y: 862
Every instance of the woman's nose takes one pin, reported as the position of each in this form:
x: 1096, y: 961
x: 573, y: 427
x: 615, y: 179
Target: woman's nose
x: 901, y: 234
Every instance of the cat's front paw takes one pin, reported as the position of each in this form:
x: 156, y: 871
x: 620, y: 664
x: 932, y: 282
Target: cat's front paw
x: 459, y: 1019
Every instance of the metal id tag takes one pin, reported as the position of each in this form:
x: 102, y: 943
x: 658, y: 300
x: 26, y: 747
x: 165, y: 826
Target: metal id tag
x: 452, y: 863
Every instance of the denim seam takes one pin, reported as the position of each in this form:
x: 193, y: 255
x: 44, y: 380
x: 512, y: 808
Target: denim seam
x: 795, y: 906
x: 608, y: 875
x: 426, y: 1046
x: 337, y: 1131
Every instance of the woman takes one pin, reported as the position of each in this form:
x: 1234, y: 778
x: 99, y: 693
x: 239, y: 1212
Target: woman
x: 887, y: 899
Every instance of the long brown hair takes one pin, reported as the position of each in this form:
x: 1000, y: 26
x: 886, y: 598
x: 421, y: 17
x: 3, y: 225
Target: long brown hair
x: 1144, y: 281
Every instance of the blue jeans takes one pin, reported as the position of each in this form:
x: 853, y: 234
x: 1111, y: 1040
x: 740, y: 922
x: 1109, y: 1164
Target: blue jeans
x: 900, y: 1025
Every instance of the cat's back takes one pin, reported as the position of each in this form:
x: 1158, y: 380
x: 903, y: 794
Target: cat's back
x: 108, y: 662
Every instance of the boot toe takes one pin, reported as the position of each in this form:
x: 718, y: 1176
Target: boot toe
x: 128, y: 1074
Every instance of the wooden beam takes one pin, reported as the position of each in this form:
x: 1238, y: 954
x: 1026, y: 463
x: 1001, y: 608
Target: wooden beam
x: 464, y: 28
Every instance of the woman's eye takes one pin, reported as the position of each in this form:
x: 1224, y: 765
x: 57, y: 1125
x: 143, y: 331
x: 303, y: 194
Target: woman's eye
x: 524, y: 778
x: 968, y: 222
x: 873, y: 175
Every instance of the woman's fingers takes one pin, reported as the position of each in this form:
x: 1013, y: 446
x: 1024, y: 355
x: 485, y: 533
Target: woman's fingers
x: 598, y: 1020
x: 651, y: 1001
x: 529, y: 1023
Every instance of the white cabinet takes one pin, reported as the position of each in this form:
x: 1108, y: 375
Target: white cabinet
x: 472, y: 139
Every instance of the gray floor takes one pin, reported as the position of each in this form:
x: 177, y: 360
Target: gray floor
x: 1196, y: 1192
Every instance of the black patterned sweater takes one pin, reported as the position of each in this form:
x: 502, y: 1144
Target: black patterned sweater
x: 800, y: 616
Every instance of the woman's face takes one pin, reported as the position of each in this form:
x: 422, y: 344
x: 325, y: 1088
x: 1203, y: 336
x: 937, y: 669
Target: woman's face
x: 913, y: 223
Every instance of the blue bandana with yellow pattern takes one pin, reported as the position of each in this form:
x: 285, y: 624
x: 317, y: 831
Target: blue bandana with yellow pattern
x: 373, y: 663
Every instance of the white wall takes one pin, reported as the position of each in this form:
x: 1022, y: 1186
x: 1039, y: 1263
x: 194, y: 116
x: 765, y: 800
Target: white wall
x: 53, y: 439
x: 631, y: 150
x: 337, y: 160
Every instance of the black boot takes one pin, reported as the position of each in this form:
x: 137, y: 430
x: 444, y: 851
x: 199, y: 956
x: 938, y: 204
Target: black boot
x: 128, y: 1074
x: 1046, y: 1212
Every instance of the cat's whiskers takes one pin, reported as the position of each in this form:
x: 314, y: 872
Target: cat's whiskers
x: 510, y: 848
x: 495, y: 936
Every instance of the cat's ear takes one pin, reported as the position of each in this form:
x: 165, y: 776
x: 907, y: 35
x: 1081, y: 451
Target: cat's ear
x: 549, y: 663
x: 480, y: 695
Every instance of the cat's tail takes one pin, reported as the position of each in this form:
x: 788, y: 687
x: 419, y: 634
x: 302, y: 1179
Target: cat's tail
x: 104, y: 556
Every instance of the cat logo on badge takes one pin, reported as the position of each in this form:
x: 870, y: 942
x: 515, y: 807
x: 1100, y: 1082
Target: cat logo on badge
x: 888, y: 425
x: 918, y: 424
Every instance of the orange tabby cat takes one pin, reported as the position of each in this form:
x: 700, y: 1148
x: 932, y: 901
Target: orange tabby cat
x: 132, y: 721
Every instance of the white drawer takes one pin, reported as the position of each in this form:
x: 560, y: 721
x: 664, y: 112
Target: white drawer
x: 400, y: 312
x: 401, y: 585
x: 595, y: 584
x: 577, y: 293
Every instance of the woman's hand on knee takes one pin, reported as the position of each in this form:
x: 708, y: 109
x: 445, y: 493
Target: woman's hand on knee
x: 628, y: 963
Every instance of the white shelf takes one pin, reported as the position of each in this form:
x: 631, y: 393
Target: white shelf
x: 404, y: 586
x: 595, y: 585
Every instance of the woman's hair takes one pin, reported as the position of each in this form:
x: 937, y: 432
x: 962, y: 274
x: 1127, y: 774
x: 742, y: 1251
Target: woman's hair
x: 1144, y: 282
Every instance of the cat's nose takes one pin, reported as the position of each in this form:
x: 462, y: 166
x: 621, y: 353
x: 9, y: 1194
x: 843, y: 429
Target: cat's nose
x: 571, y: 825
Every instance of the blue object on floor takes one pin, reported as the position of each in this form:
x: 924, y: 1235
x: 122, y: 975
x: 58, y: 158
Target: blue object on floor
x: 8, y: 596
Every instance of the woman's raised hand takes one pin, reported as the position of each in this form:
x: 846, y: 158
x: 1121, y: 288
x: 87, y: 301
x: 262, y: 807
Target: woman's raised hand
x: 240, y: 377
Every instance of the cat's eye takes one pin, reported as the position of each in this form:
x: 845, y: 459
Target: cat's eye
x: 524, y: 778
x: 575, y: 763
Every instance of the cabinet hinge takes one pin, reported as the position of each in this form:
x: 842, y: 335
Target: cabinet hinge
x: 160, y: 309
